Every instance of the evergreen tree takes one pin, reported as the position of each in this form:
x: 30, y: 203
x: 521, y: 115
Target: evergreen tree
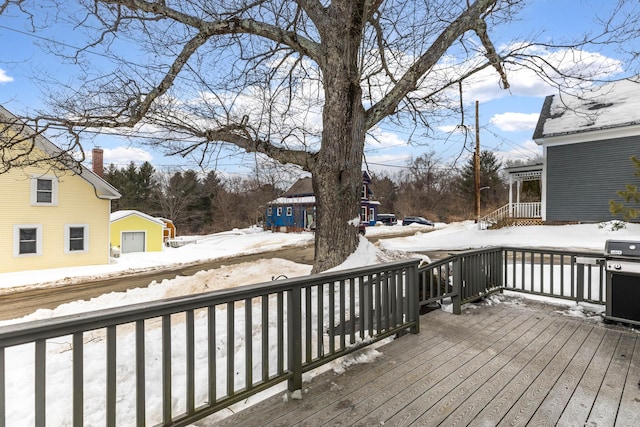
x: 631, y: 194
x: 489, y: 177
x: 135, y: 184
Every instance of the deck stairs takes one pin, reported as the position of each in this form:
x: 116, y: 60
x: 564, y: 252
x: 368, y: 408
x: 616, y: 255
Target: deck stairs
x: 513, y: 214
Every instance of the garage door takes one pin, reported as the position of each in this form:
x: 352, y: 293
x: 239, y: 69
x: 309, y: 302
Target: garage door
x: 132, y: 241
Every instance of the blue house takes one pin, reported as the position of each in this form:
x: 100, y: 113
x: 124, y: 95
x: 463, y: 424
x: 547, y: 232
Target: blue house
x: 296, y: 209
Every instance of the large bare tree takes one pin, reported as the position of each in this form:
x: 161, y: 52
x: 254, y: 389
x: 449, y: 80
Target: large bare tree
x: 301, y: 82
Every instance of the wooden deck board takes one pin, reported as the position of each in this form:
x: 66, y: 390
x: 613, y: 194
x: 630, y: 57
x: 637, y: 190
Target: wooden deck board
x: 629, y: 413
x: 559, y: 394
x: 496, y: 364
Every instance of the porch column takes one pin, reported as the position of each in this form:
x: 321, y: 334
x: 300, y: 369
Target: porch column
x: 518, y: 197
x: 510, y: 195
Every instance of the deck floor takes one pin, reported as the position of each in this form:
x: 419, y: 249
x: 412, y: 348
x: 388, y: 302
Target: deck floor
x: 514, y: 363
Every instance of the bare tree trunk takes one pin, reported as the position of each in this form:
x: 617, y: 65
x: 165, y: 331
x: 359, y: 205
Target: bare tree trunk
x: 337, y: 175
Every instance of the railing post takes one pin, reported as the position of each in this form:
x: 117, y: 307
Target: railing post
x: 456, y: 299
x: 294, y: 338
x: 414, y: 303
x: 579, y: 280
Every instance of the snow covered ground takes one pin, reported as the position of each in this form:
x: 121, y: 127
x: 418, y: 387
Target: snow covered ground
x: 19, y: 361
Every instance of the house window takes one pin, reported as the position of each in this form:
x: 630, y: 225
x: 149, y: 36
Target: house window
x: 363, y: 214
x: 372, y: 214
x: 76, y: 238
x: 27, y: 240
x: 44, y: 190
x: 279, y: 212
x: 270, y: 211
x: 289, y: 211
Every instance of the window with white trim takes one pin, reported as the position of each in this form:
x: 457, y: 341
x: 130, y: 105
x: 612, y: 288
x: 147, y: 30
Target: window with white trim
x: 270, y: 211
x: 27, y: 240
x: 76, y: 238
x: 289, y: 211
x: 279, y: 211
x: 44, y: 190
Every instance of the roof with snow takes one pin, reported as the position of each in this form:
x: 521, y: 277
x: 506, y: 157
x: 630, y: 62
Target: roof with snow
x: 306, y: 200
x: 612, y: 105
x: 118, y: 215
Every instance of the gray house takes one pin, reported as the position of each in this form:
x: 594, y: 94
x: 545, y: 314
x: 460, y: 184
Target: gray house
x: 587, y: 143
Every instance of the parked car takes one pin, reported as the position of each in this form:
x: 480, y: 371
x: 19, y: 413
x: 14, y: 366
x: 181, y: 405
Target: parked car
x: 386, y: 219
x: 416, y: 220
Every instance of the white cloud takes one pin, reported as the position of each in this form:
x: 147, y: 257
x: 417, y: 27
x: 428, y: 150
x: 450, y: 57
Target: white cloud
x: 4, y: 78
x: 379, y: 138
x: 124, y: 155
x: 527, y: 150
x: 515, y: 122
x: 585, y: 66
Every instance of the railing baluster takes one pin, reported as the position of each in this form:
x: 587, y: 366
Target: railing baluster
x: 319, y: 322
x: 332, y: 318
x: 281, y: 341
x: 211, y: 354
x: 140, y: 374
x: 231, y: 340
x: 308, y: 314
x: 264, y: 352
x: 393, y: 301
x: 248, y: 339
x: 111, y: 376
x: 343, y: 309
x: 166, y: 368
x: 40, y: 382
x: 190, y: 355
x: 562, y: 287
x: 78, y: 380
x: 363, y: 310
x: 378, y: 304
x: 3, y: 405
x: 551, y: 267
x: 352, y: 310
x: 542, y: 282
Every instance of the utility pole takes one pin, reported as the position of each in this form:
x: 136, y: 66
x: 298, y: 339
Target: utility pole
x: 476, y: 164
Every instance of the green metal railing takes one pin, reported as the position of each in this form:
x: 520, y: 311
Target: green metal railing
x: 178, y: 360
x: 471, y: 275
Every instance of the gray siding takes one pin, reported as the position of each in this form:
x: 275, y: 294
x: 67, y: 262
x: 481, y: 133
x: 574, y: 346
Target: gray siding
x: 582, y: 178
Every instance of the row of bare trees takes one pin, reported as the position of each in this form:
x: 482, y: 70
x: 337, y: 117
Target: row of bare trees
x: 200, y: 203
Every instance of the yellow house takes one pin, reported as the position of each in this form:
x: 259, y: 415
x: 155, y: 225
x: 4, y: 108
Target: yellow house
x: 134, y: 231
x: 56, y: 213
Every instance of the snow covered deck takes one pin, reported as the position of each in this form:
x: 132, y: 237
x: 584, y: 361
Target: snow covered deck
x: 512, y: 363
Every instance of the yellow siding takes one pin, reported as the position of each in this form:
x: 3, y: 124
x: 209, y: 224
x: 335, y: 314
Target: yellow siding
x: 77, y: 204
x: 154, y: 231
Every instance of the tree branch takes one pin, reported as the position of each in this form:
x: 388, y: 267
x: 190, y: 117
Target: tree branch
x: 468, y: 20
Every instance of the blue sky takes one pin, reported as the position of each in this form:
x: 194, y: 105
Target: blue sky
x: 507, y: 118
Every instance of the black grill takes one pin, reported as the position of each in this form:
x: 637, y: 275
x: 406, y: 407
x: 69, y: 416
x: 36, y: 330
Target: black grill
x: 623, y: 281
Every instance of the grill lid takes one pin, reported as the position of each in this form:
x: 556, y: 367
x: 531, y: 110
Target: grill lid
x: 622, y: 248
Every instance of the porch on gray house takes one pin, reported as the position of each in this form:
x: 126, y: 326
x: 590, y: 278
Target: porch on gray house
x: 516, y: 212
